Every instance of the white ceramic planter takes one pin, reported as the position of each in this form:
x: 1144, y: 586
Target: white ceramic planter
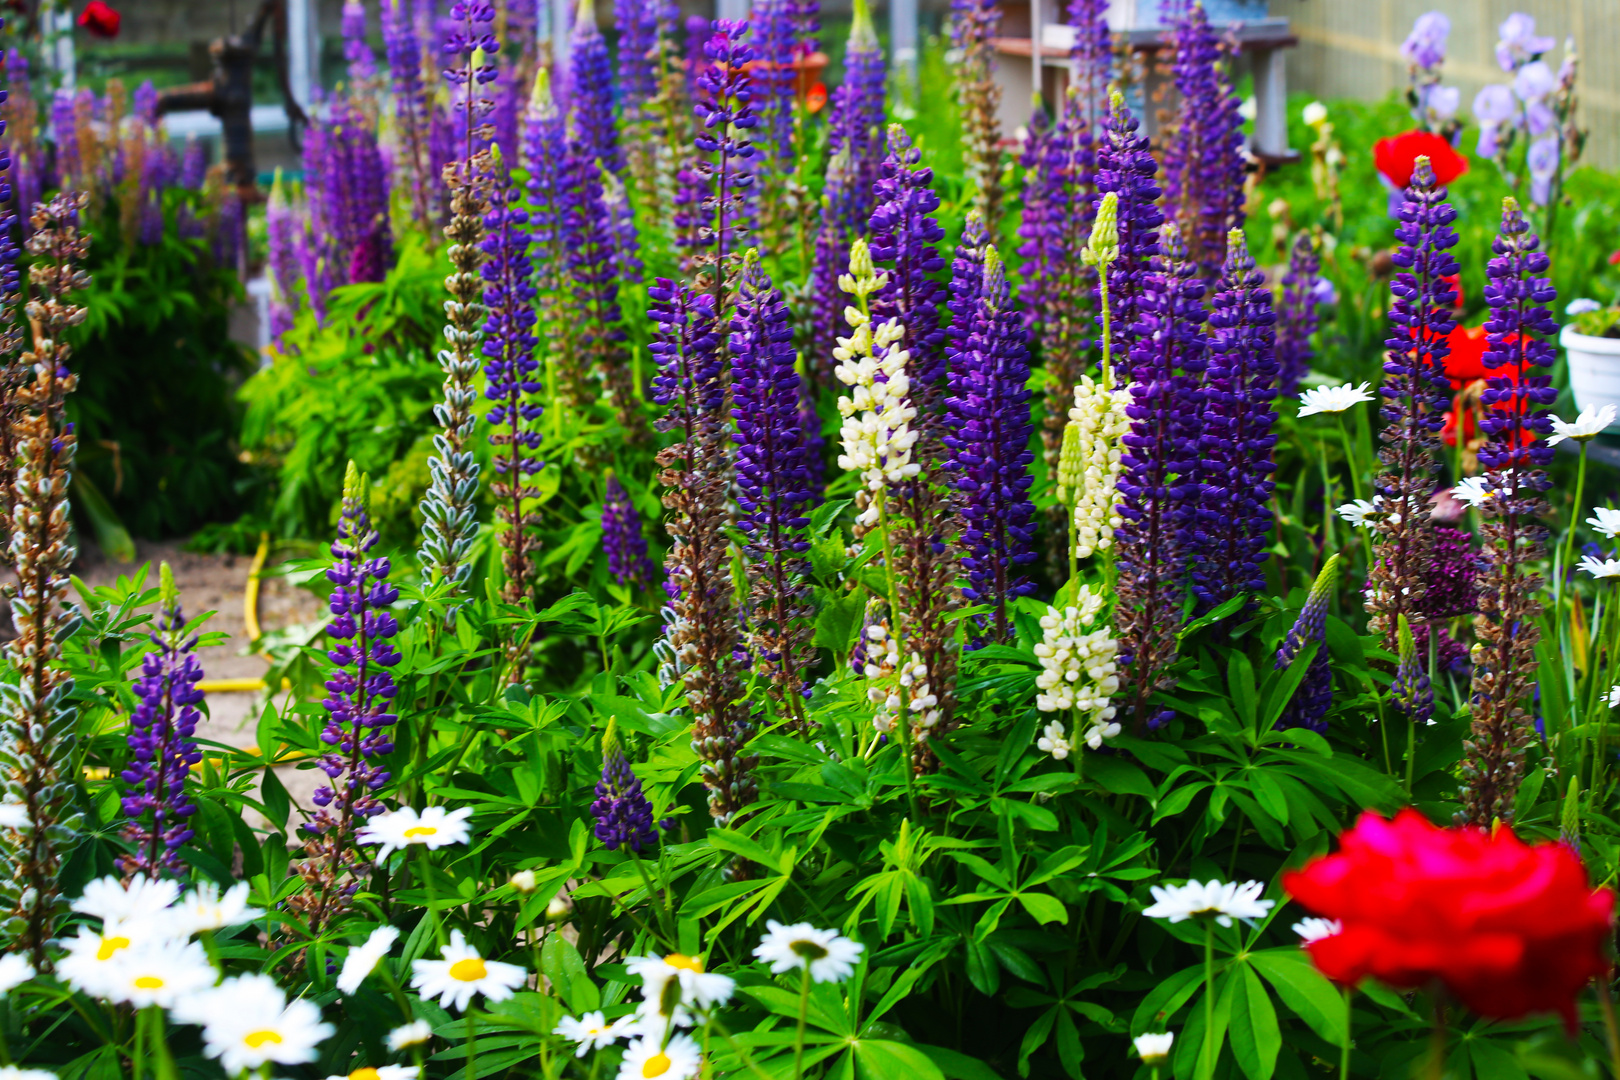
x: 1594, y: 368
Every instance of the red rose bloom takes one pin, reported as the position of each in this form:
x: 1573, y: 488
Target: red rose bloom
x: 100, y: 20
x: 1508, y: 928
x: 1396, y: 158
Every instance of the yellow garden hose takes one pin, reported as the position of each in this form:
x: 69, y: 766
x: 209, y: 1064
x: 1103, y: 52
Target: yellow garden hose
x: 250, y: 620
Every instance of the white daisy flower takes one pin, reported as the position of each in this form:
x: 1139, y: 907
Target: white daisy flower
x: 1605, y: 521
x: 1614, y: 697
x: 1600, y: 568
x: 462, y: 974
x: 1589, y: 425
x: 826, y: 954
x: 1223, y: 902
x: 1154, y: 1046
x: 1356, y: 512
x: 408, y: 1035
x: 696, y: 985
x: 363, y: 959
x: 108, y: 900
x: 14, y: 971
x: 14, y: 815
x: 1476, y: 493
x: 92, y: 958
x: 12, y: 1072
x: 248, y: 1022
x: 1333, y: 399
x: 203, y: 908
x: 645, y: 1059
x: 381, y: 1072
x: 159, y: 975
x: 434, y: 827
x: 592, y: 1031
x: 1310, y: 930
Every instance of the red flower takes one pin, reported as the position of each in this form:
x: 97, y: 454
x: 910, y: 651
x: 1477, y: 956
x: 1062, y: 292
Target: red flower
x: 816, y: 99
x: 1614, y: 259
x: 1508, y: 928
x: 1466, y: 361
x: 1396, y: 158
x: 100, y: 20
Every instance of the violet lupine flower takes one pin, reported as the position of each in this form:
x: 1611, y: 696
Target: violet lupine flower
x: 637, y: 23
x: 1515, y: 455
x: 1041, y: 225
x: 1411, y: 691
x: 403, y: 50
x: 805, y: 15
x: 1298, y: 316
x: 468, y: 33
x: 776, y: 483
x: 828, y: 262
x: 857, y: 120
x: 722, y: 105
x: 315, y: 270
x: 1125, y: 166
x: 1159, y: 487
x: 988, y: 435
x: 551, y: 205
x: 1416, y: 396
x: 356, y: 50
x: 508, y: 345
x: 1314, y: 695
x: 162, y: 744
x: 1451, y: 578
x: 144, y: 104
x: 906, y: 235
x: 967, y: 286
x: 353, y: 194
x: 1240, y: 384
x: 622, y: 538
x: 1425, y: 46
x: 593, y: 253
x: 229, y: 230
x: 1092, y: 59
x: 590, y: 91
x: 775, y: 38
x: 622, y: 224
x: 280, y: 226
x: 1203, y: 162
x: 64, y: 130
x: 624, y: 817
x: 193, y: 165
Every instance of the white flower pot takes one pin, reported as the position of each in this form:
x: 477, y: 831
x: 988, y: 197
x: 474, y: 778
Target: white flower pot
x: 1594, y: 368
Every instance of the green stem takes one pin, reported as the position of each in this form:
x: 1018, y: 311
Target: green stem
x: 665, y: 918
x: 804, y: 1014
x: 472, y: 1046
x: 1351, y: 462
x: 163, y: 1061
x: 1561, y: 571
x: 432, y: 898
x: 1107, y: 329
x: 1610, y: 1028
x: 1349, y: 1022
x: 1208, y: 1062
x: 1437, y: 1043
x: 137, y: 1048
x: 737, y: 1048
x: 902, y: 720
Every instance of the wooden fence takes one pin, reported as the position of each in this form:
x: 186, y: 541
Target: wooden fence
x: 1351, y: 48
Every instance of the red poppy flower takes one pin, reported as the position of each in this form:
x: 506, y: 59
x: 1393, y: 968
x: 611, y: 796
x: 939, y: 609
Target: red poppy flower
x: 1508, y: 928
x: 100, y: 20
x: 816, y: 99
x: 1396, y: 158
x: 1466, y: 361
x: 1614, y: 259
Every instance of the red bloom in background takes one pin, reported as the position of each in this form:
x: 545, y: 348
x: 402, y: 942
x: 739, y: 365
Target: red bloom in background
x: 1397, y: 157
x: 1614, y: 259
x: 100, y: 20
x: 1508, y: 928
x: 816, y: 99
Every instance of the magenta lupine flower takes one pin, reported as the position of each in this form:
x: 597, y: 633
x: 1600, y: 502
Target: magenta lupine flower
x: 988, y: 433
x: 162, y: 745
x: 1203, y: 162
x: 905, y: 237
x: 724, y: 150
x: 356, y: 50
x: 590, y: 91
x: 1236, y: 415
x: 622, y: 538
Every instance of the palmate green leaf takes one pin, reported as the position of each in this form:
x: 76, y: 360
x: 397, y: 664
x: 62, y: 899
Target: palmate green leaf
x: 957, y: 1066
x: 1044, y: 907
x: 1256, y: 1039
x: 884, y: 1059
x: 1306, y: 992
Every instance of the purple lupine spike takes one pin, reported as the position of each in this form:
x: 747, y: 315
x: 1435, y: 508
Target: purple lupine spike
x: 467, y: 33
x: 162, y: 744
x: 1450, y: 655
x: 1411, y: 691
x: 280, y: 227
x: 349, y: 187
x: 509, y: 103
x: 637, y: 22
x: 149, y: 199
x: 64, y: 129
x: 1416, y: 396
x: 724, y: 151
x: 772, y: 30
x: 967, y: 285
x: 1158, y: 486
x: 988, y: 436
x: 315, y: 270
x: 144, y: 105
x: 1041, y: 225
x: 508, y: 346
x: 622, y: 538
x: 805, y: 15
x: 828, y: 261
x: 906, y: 235
x: 229, y: 231
x: 624, y: 817
x: 1452, y: 577
x: 1234, y: 473
x: 1314, y: 695
x: 775, y: 486
x: 1091, y: 60
x: 356, y: 50
x: 403, y: 50
x: 1125, y: 166
x: 593, y: 254
x: 1515, y: 456
x: 551, y: 206
x: 622, y: 224
x: 1298, y: 316
x: 193, y: 165
x: 698, y: 30
x: 1203, y: 161
x: 590, y: 91
x: 857, y: 122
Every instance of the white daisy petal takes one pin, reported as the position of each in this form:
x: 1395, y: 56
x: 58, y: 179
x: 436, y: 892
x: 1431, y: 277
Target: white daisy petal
x: 827, y: 954
x: 1154, y: 1046
x: 1221, y: 901
x: 645, y: 1059
x: 434, y: 827
x: 462, y: 974
x: 363, y: 959
x: 1333, y: 399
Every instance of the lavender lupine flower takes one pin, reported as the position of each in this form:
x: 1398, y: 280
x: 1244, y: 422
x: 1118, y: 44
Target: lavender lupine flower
x: 1309, y: 705
x: 1452, y: 578
x: 280, y: 225
x: 624, y: 817
x: 906, y: 235
x: 593, y: 254
x: 1515, y: 456
x: 550, y: 204
x: 622, y: 538
x: 509, y: 344
x: 988, y: 418
x: 857, y: 118
x: 162, y: 744
x: 724, y: 154
x: 469, y: 43
x: 1203, y: 162
x: 1434, y: 106
x: 775, y: 485
x: 1412, y: 691
x: 403, y: 50
x: 590, y: 92
x: 356, y: 50
x: 1416, y: 395
x: 637, y: 23
x: 966, y: 287
x: 1297, y: 317
x: 1159, y: 485
x: 1091, y: 58
x: 1236, y: 415
x: 359, y: 694
x: 974, y: 25
x: 193, y: 165
x: 1125, y: 166
x: 701, y: 639
x: 230, y: 234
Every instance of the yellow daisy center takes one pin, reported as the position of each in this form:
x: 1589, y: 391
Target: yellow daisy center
x: 256, y: 1039
x: 469, y: 970
x: 420, y: 830
x: 110, y: 945
x: 684, y: 962
x: 148, y: 982
x: 367, y: 1073
x: 657, y: 1065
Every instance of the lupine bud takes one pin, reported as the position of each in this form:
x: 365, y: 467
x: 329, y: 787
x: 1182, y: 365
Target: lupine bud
x: 1309, y: 705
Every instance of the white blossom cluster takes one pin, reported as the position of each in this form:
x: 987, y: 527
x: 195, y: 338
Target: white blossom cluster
x: 884, y: 666
x: 1079, y: 671
x: 1100, y: 415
